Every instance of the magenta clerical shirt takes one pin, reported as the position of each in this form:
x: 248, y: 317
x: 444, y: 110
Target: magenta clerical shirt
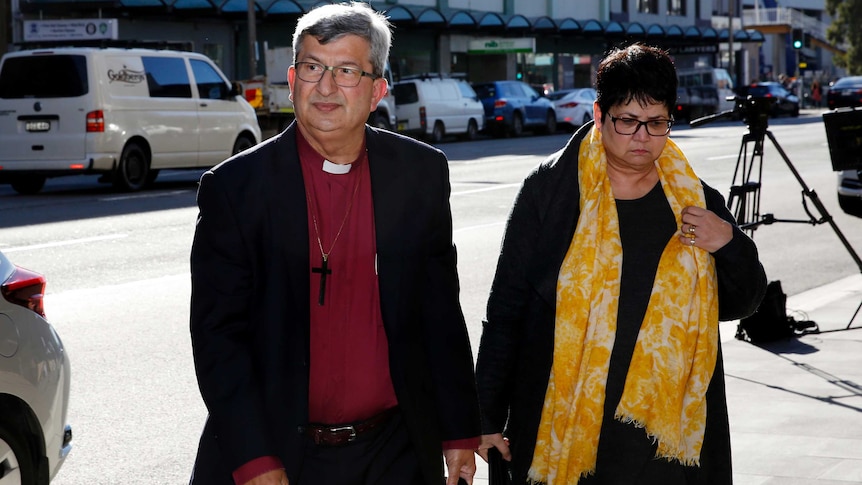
x: 349, y: 377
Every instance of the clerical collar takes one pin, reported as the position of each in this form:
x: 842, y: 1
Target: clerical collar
x: 308, y: 155
x: 335, y: 168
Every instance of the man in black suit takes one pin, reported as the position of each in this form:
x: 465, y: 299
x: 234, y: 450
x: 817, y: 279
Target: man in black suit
x: 329, y: 342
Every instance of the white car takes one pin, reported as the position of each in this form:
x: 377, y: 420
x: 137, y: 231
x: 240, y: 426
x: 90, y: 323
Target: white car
x: 34, y: 382
x: 850, y: 192
x: 574, y: 106
x: 431, y: 106
x: 123, y: 113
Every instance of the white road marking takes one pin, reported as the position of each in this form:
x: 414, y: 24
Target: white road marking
x: 68, y: 242
x: 148, y: 195
x: 486, y: 189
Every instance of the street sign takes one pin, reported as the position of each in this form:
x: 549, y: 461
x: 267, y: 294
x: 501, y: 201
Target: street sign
x: 75, y: 29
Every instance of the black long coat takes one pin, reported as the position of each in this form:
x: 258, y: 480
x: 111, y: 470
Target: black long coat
x: 250, y: 304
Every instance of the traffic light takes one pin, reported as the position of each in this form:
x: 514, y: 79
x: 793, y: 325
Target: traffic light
x: 798, y: 38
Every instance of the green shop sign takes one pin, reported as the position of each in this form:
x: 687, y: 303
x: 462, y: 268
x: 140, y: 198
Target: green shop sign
x: 501, y: 46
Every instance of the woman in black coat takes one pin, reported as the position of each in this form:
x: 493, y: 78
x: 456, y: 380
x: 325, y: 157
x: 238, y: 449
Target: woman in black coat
x: 613, y: 375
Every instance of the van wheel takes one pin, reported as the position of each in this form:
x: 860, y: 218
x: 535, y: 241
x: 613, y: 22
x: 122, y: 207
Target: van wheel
x: 242, y: 143
x: 15, y: 456
x: 472, y: 131
x: 587, y: 119
x: 133, y: 170
x: 28, y: 184
x: 379, y: 120
x: 850, y: 205
x: 438, y: 132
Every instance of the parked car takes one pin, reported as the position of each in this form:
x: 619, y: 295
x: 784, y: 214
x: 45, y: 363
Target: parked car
x: 850, y: 192
x: 513, y: 106
x: 710, y: 88
x: 696, y: 102
x: 785, y: 101
x: 433, y: 106
x: 574, y: 107
x: 846, y: 92
x: 34, y: 382
x: 124, y: 113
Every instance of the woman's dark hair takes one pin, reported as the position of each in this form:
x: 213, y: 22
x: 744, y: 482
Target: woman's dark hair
x: 636, y: 73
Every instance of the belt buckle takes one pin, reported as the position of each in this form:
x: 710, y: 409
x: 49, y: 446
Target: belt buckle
x: 341, y: 429
x: 332, y: 435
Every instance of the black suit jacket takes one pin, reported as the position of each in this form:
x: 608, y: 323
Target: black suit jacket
x: 250, y: 304
x: 517, y: 346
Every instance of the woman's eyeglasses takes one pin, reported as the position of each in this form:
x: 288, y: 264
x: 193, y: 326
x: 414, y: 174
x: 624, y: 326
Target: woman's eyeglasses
x: 344, y: 76
x: 630, y: 126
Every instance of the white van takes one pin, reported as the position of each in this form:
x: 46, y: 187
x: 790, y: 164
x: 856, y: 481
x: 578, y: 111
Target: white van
x: 432, y: 107
x: 710, y: 89
x: 125, y: 113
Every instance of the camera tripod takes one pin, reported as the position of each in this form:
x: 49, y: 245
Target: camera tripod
x: 744, y: 198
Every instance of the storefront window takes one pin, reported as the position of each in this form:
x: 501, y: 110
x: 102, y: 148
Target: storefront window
x: 545, y: 75
x: 648, y: 6
x: 676, y: 7
x: 537, y: 70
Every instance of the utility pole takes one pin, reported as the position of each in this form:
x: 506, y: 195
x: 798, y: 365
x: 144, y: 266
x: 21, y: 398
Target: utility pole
x: 730, y: 42
x: 252, y: 40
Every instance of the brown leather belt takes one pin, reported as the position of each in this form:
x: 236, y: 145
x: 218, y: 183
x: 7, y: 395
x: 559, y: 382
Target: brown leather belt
x: 342, y: 434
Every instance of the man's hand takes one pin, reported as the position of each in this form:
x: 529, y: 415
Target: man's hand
x: 460, y: 464
x: 494, y: 441
x: 274, y: 477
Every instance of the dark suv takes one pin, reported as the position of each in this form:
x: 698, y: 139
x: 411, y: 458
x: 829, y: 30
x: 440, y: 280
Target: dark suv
x: 513, y: 106
x: 846, y: 92
x: 783, y: 101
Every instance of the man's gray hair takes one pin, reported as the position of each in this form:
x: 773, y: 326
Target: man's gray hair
x: 331, y: 22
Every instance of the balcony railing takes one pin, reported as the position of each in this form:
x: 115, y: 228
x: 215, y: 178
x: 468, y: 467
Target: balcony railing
x: 753, y: 18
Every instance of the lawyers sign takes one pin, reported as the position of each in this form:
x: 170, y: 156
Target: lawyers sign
x: 75, y: 29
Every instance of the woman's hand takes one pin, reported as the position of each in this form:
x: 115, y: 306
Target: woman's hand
x: 494, y: 441
x: 704, y: 229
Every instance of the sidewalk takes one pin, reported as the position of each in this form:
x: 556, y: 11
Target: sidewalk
x: 796, y: 406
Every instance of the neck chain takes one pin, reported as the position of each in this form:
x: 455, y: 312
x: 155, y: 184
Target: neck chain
x: 324, y: 268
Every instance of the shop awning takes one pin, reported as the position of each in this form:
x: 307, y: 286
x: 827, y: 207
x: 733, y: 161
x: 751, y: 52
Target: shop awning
x: 402, y: 15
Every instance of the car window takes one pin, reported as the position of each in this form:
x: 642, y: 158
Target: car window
x: 529, y: 92
x: 758, y: 91
x: 558, y: 95
x: 56, y: 76
x: 846, y: 82
x: 513, y: 90
x: 210, y: 84
x: 405, y: 93
x: 466, y: 90
x: 485, y: 90
x: 167, y: 77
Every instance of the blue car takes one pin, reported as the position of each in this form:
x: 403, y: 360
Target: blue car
x: 513, y: 106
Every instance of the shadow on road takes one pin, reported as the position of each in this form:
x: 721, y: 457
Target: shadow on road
x: 83, y: 197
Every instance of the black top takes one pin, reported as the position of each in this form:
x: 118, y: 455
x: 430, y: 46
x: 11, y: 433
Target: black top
x: 626, y: 455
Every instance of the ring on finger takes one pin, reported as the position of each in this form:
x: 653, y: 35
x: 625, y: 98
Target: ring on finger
x: 692, y: 240
x: 691, y: 228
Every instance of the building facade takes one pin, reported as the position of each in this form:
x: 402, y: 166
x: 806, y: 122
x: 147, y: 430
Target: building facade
x: 551, y: 44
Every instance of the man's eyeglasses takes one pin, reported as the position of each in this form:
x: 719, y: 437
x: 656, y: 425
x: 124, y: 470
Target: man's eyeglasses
x: 630, y: 126
x: 344, y: 76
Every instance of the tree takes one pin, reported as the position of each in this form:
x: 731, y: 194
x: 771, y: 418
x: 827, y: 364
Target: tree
x: 846, y: 29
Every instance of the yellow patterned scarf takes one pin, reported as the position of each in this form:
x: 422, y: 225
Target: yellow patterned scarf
x: 675, y: 354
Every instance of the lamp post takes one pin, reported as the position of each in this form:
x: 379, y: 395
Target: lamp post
x: 252, y: 40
